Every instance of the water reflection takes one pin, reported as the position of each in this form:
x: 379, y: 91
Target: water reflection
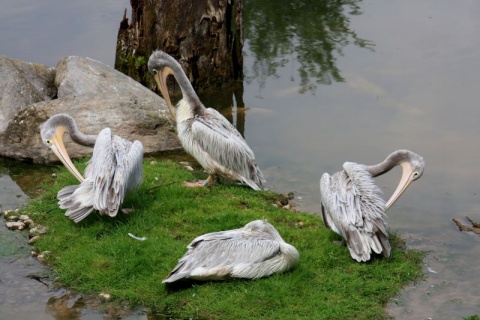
x: 229, y: 102
x: 311, y: 33
x: 19, y: 180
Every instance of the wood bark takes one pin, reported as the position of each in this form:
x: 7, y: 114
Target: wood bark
x: 475, y: 228
x: 205, y: 36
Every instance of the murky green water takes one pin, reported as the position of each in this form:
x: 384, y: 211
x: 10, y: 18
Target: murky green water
x: 327, y: 83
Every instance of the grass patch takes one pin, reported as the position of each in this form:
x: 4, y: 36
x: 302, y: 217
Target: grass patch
x: 97, y: 255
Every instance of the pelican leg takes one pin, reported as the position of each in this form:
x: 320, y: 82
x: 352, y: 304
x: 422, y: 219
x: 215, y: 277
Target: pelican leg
x: 211, y: 180
x: 195, y: 184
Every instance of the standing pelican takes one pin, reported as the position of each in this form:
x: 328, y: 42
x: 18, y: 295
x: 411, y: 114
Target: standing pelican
x: 352, y: 205
x: 204, y: 133
x: 254, y: 251
x: 114, y: 169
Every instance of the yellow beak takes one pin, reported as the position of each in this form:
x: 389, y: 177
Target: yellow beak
x: 161, y: 80
x: 405, y: 181
x: 58, y: 148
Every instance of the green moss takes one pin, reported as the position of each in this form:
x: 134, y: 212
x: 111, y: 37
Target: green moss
x: 97, y: 255
x: 140, y: 61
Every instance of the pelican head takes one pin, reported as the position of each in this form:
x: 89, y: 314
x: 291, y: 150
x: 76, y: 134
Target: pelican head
x: 52, y: 132
x: 263, y: 226
x: 412, y: 169
x: 160, y: 65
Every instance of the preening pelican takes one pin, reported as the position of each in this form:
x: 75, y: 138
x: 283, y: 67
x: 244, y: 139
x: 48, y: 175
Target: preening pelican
x: 114, y: 169
x: 204, y: 133
x: 352, y: 205
x: 254, y: 251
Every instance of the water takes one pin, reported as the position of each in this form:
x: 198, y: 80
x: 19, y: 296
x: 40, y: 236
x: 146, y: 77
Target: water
x: 396, y: 74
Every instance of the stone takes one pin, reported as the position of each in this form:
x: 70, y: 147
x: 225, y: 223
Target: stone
x: 24, y: 217
x: 9, y: 213
x: 96, y: 96
x: 21, y: 84
x: 39, y: 230
x: 33, y: 239
x: 77, y: 76
x: 104, y: 296
x: 29, y: 223
x: 15, y: 225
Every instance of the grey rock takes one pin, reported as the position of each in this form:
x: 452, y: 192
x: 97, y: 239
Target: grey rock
x: 77, y: 76
x: 97, y: 96
x: 21, y: 84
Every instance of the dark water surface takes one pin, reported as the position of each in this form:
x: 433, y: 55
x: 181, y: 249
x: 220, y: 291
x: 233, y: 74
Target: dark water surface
x: 325, y: 84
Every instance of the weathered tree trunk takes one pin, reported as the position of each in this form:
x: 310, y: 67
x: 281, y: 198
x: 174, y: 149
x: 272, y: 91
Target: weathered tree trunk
x: 475, y: 228
x: 204, y: 35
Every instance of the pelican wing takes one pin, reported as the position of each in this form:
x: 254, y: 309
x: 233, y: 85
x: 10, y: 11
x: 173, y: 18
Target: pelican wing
x: 235, y: 253
x: 114, y: 169
x: 224, y: 145
x: 134, y: 166
x: 117, y: 169
x: 353, y: 207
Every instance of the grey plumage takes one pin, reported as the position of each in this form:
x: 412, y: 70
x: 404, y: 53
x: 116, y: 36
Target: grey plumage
x: 352, y: 205
x: 254, y: 251
x: 204, y: 133
x: 115, y: 169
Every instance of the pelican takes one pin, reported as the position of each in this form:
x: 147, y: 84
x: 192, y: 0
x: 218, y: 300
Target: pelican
x: 114, y: 170
x: 254, y: 251
x: 203, y: 132
x: 352, y: 205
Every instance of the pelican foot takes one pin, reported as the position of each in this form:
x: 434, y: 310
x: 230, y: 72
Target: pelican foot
x: 199, y: 183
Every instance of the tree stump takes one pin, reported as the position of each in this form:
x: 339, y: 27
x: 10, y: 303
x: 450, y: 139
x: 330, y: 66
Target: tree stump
x: 205, y: 36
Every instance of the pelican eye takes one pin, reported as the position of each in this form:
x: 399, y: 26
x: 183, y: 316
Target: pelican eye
x: 155, y: 71
x: 48, y: 141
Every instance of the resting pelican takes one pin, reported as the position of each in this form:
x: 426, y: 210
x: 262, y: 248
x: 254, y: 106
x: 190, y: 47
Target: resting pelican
x: 204, y: 133
x: 352, y: 205
x: 114, y: 169
x: 254, y: 251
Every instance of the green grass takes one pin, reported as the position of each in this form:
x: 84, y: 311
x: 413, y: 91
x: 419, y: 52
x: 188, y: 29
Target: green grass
x: 97, y: 255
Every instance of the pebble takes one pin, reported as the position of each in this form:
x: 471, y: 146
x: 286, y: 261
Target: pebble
x: 39, y: 229
x: 17, y: 222
x: 15, y: 225
x: 24, y: 217
x: 186, y: 165
x: 104, y: 296
x: 29, y: 223
x: 33, y: 239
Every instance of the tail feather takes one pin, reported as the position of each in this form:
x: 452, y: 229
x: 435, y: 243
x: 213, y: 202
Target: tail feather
x: 77, y: 200
x: 358, y: 246
x: 251, y: 184
x: 175, y: 277
x: 387, y: 250
x: 66, y: 192
x: 78, y: 213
